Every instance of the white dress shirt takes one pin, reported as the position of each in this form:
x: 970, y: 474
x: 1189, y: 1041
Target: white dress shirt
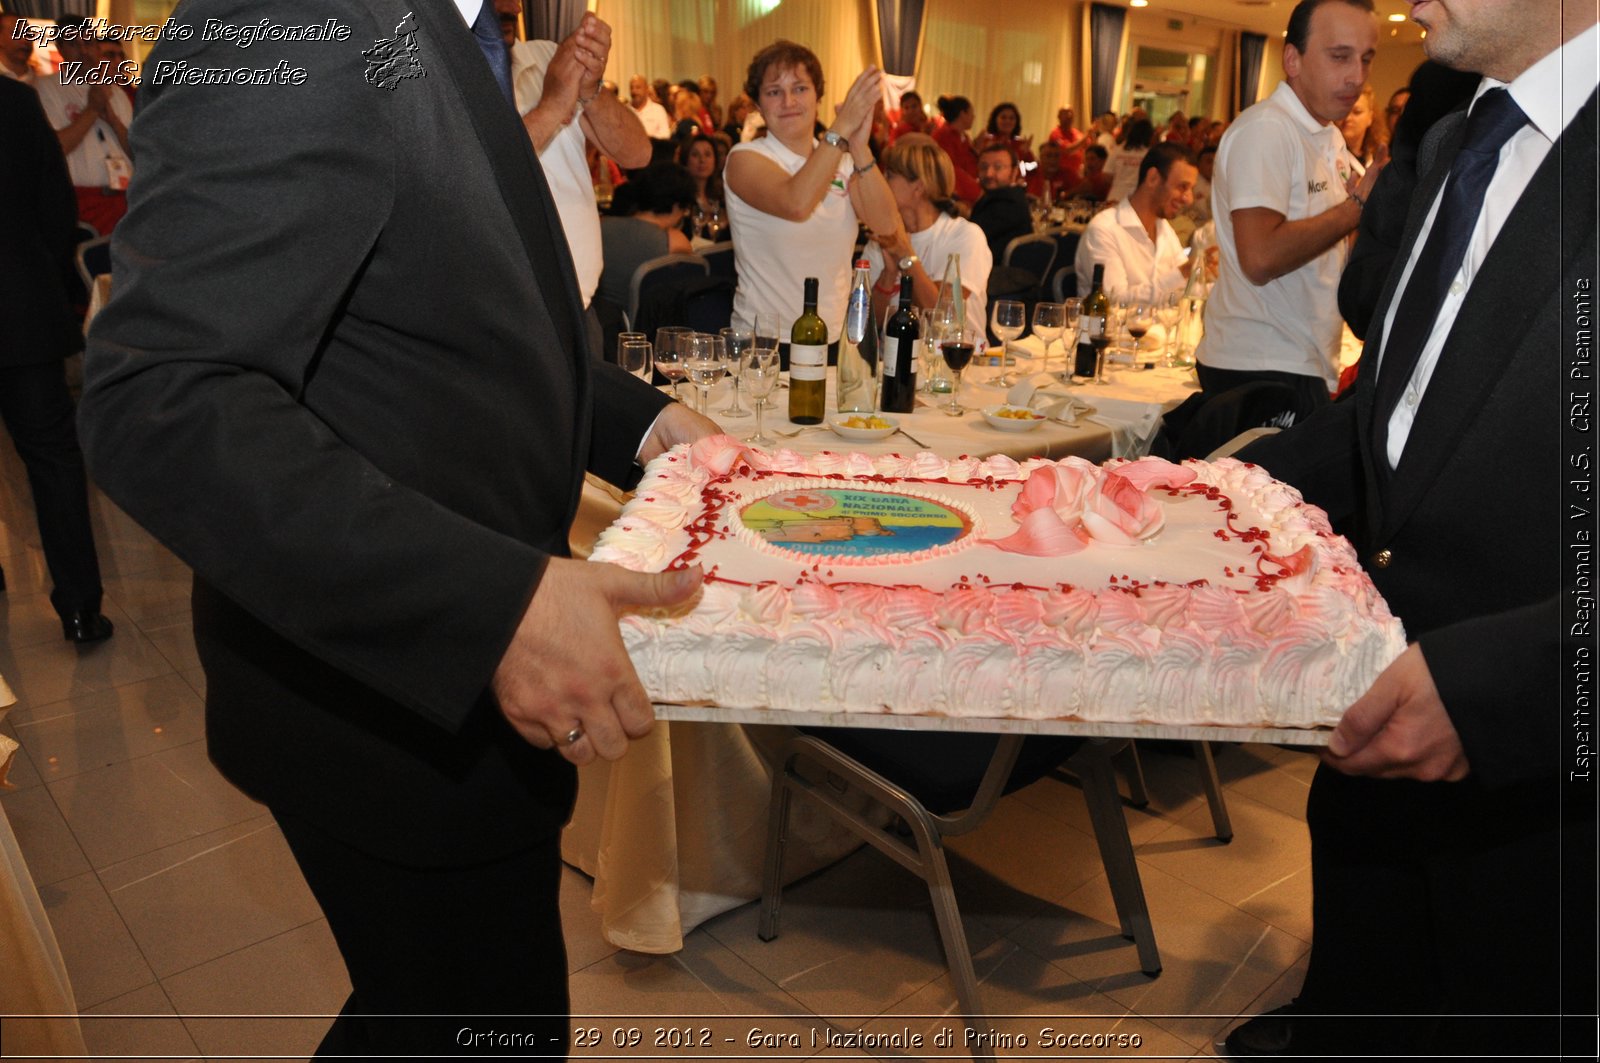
x: 1137, y: 268
x: 1550, y: 93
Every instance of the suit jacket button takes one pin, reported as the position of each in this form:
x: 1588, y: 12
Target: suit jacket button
x: 1382, y: 558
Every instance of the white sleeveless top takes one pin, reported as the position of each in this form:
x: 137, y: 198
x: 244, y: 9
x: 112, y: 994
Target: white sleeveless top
x: 775, y: 256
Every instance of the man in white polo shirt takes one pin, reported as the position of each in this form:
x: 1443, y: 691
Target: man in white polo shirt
x: 1143, y: 258
x: 91, y: 121
x: 1285, y: 195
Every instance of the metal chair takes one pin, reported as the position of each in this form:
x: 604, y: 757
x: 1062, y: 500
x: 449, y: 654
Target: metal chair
x: 720, y: 256
x: 1064, y: 274
x: 93, y: 258
x: 663, y: 272
x: 1034, y: 253
x: 924, y: 853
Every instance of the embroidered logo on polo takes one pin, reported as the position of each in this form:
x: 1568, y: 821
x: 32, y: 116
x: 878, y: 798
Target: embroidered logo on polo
x: 393, y: 60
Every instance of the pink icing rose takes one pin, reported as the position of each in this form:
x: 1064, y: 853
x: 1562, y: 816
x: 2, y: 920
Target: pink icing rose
x: 1062, y: 507
x: 721, y: 453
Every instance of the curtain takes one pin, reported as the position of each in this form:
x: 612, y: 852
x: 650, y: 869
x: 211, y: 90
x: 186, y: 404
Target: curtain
x: 1105, y: 48
x: 1023, y: 53
x: 551, y: 20
x: 1252, y: 48
x: 899, y: 33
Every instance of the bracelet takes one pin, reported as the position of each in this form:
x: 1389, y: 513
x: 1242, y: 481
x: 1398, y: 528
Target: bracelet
x: 859, y: 170
x: 881, y: 290
x: 584, y: 103
x: 1361, y: 204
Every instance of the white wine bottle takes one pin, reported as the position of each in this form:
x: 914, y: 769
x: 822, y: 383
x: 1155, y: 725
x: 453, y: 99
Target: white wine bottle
x: 808, y: 362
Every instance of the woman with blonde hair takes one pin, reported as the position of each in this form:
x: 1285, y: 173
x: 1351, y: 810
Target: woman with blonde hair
x: 1362, y: 135
x: 930, y: 230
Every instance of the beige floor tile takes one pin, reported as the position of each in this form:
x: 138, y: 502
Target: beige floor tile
x: 102, y: 959
x: 853, y: 939
x: 1063, y: 800
x: 108, y: 727
x: 1215, y: 958
x: 1281, y: 788
x: 1286, y: 904
x: 190, y: 903
x: 27, y: 619
x: 176, y: 643
x: 580, y: 923
x: 152, y: 598
x: 123, y: 810
x: 1267, y: 848
x: 141, y: 1023
x: 196, y: 678
x: 47, y: 843
x: 296, y: 973
x: 1018, y: 860
x: 57, y: 669
x: 23, y: 774
x: 26, y: 573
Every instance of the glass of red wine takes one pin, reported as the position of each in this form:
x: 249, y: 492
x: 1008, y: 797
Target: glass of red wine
x: 957, y: 351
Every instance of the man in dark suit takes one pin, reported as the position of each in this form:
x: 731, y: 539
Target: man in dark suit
x: 343, y: 376
x: 37, y: 330
x: 1447, y: 811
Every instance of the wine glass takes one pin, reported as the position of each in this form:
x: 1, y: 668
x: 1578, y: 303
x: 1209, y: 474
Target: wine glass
x: 1008, y: 318
x: 1049, y: 319
x: 634, y: 356
x: 669, y: 355
x: 1168, y: 311
x: 736, y: 341
x: 932, y: 332
x: 760, y: 374
x: 628, y: 337
x: 957, y: 351
x: 704, y: 363
x: 1140, y: 319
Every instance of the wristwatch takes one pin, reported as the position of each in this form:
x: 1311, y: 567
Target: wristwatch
x: 906, y: 263
x: 835, y: 140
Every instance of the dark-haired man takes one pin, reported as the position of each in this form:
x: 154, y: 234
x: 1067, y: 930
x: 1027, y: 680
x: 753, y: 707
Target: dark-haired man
x: 1002, y: 211
x: 1285, y: 194
x: 1143, y: 258
x: 1452, y: 820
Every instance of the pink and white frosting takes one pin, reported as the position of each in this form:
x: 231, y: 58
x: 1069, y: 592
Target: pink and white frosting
x: 1137, y: 591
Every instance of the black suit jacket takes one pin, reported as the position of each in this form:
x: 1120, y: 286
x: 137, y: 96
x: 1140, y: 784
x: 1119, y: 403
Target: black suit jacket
x: 343, y: 377
x: 41, y: 215
x: 1465, y: 538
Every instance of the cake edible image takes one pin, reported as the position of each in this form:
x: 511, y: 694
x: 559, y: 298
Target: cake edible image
x: 833, y: 522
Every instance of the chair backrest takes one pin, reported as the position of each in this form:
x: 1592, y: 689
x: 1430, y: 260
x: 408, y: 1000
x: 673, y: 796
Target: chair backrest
x: 720, y: 258
x: 1063, y: 279
x: 1034, y: 253
x: 662, y: 272
x: 1064, y: 284
x: 87, y: 231
x: 708, y: 306
x: 93, y: 258
x: 1219, y: 418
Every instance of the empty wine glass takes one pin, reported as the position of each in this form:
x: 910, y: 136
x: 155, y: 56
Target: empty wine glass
x: 736, y: 341
x: 1008, y: 318
x: 669, y: 355
x: 760, y: 374
x: 634, y: 356
x: 1168, y: 311
x: 704, y: 364
x: 628, y: 337
x: 1048, y: 321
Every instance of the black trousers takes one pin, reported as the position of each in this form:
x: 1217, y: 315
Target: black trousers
x: 442, y: 960
x: 39, y: 414
x: 1311, y: 392
x: 1436, y: 917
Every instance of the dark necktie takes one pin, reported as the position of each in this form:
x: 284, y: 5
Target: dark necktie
x: 487, y: 30
x: 1494, y: 118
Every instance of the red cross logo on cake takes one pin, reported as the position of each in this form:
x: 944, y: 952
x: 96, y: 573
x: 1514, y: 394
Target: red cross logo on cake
x: 800, y: 501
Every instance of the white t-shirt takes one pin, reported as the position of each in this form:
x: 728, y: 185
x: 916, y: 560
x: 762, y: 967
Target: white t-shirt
x: 565, y: 166
x: 774, y: 256
x: 1138, y: 269
x: 1276, y: 155
x: 934, y: 245
x: 86, y: 163
x: 654, y: 118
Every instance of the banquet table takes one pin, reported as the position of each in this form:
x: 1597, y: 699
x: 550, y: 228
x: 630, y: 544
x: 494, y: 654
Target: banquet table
x: 674, y: 833
x: 36, y: 1000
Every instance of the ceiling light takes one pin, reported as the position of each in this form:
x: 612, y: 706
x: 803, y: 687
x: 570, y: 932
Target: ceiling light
x: 1138, y: 3
x: 1397, y: 18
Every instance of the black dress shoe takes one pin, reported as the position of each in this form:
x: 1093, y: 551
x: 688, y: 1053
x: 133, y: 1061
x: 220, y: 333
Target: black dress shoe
x: 86, y: 625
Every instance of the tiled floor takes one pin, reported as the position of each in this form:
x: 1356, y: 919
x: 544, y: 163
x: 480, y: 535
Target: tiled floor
x: 177, y: 904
